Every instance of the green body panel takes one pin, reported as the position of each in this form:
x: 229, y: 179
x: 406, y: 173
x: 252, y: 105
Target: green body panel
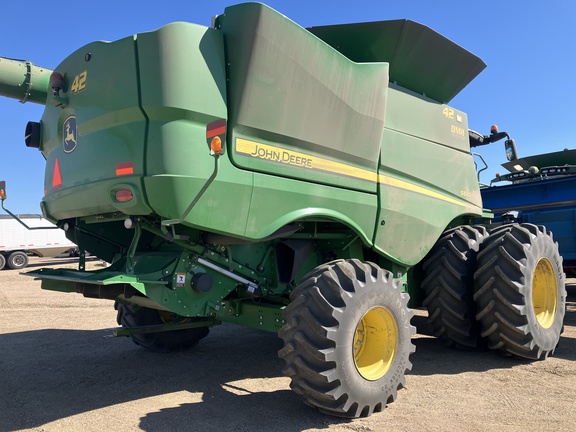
x: 279, y: 201
x: 110, y: 129
x: 327, y: 152
x: 183, y: 88
x: 289, y: 91
x: 415, y: 157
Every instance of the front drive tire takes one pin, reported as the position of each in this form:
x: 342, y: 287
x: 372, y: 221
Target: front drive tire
x: 520, y: 291
x: 347, y: 338
x: 130, y: 316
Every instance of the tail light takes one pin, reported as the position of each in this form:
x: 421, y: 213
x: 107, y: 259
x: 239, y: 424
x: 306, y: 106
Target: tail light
x: 124, y: 195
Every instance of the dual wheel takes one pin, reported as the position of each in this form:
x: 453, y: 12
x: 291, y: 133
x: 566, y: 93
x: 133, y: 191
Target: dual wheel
x: 347, y: 333
x: 502, y: 290
x: 16, y: 260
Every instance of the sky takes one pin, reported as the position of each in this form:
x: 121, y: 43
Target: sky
x: 528, y: 88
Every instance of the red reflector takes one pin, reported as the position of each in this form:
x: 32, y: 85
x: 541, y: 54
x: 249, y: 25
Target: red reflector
x: 124, y: 168
x: 124, y: 195
x: 56, y: 177
x: 216, y: 128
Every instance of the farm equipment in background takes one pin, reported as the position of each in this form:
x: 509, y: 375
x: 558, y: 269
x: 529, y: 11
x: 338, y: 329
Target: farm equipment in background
x: 17, y: 241
x: 301, y: 181
x: 539, y: 189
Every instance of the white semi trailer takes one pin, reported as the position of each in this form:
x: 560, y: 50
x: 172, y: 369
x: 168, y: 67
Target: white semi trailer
x: 17, y: 242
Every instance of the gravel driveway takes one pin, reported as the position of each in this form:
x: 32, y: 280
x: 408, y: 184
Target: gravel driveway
x: 60, y: 371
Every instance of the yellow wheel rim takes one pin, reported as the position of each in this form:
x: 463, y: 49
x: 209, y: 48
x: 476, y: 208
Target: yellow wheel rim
x: 544, y: 293
x: 375, y: 343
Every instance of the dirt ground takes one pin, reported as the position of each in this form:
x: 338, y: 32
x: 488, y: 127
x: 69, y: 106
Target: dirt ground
x: 60, y: 371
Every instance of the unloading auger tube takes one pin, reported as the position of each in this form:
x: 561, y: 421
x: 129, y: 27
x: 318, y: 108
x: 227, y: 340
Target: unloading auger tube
x: 24, y: 81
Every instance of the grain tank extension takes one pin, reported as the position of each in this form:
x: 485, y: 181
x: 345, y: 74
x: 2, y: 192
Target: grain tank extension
x: 302, y: 181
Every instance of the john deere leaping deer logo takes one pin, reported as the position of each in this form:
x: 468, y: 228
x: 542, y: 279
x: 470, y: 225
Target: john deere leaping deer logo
x: 69, y: 134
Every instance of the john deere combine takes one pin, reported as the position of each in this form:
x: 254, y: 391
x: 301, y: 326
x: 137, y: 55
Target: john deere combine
x: 287, y: 179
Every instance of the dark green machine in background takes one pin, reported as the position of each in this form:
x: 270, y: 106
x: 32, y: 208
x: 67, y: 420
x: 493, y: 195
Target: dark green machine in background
x: 295, y: 180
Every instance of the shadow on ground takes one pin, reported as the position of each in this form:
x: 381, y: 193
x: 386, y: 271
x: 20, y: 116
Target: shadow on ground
x: 49, y: 375
x: 53, y: 374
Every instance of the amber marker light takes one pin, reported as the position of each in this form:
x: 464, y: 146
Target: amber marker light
x: 216, y: 145
x: 215, y: 134
x: 124, y: 195
x: 493, y: 129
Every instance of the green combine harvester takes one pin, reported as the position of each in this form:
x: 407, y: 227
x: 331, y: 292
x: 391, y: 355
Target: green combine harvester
x: 301, y: 181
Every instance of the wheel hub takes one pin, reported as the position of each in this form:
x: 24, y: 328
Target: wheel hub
x: 544, y: 293
x: 375, y: 343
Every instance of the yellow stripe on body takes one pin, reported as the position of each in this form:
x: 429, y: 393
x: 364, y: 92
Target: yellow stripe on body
x: 401, y: 184
x: 293, y: 158
x: 288, y: 157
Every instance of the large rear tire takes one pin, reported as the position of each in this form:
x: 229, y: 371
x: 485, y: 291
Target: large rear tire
x: 130, y: 316
x: 347, y: 338
x: 449, y: 287
x: 520, y: 291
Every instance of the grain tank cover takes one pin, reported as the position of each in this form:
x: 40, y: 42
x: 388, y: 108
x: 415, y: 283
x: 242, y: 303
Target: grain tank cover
x: 421, y: 59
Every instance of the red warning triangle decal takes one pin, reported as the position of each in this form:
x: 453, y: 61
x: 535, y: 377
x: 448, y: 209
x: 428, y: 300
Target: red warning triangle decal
x: 56, y: 177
